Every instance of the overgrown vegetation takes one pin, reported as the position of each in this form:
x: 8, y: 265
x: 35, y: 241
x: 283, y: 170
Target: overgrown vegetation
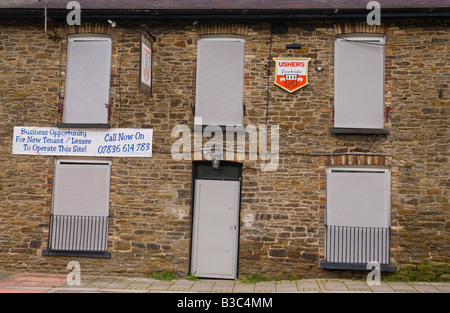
x: 254, y: 278
x: 193, y: 276
x: 424, y: 272
x: 165, y: 275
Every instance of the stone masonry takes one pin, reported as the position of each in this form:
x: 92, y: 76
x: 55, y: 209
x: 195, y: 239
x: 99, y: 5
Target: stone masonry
x: 282, y: 213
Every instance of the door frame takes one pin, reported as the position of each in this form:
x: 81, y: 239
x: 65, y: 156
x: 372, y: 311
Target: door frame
x: 237, y: 177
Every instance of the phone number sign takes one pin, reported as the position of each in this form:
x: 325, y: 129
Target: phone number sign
x: 115, y: 142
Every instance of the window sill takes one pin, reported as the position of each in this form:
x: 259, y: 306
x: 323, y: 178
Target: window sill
x: 81, y: 125
x: 355, y: 266
x: 235, y: 128
x: 92, y: 254
x: 360, y: 131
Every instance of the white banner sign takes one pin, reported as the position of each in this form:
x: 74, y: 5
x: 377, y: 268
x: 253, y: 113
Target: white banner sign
x: 115, y: 142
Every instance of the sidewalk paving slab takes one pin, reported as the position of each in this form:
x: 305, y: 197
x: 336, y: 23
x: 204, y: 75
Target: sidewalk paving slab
x: 286, y: 286
x: 443, y: 287
x: 181, y: 285
x: 141, y: 283
x: 244, y: 287
x: 120, y: 283
x: 423, y: 287
x: 161, y: 285
x: 333, y: 286
x: 382, y: 287
x: 265, y: 287
x: 117, y: 290
x: 23, y: 290
x: 203, y: 286
x: 74, y: 289
x: 100, y: 282
x: 308, y: 285
x: 223, y: 286
x: 33, y: 280
x: 403, y: 287
x: 53, y: 283
x: 84, y: 281
x: 357, y: 286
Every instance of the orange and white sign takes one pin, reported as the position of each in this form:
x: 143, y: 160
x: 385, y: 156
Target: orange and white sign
x: 146, y: 65
x: 291, y: 74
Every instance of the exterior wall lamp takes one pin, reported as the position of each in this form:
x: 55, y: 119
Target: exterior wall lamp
x: 215, y: 159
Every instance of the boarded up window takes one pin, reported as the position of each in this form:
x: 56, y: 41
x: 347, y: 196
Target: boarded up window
x: 80, y: 220
x: 358, y: 215
x: 88, y: 80
x: 359, y: 82
x: 358, y: 197
x: 81, y: 188
x: 220, y: 81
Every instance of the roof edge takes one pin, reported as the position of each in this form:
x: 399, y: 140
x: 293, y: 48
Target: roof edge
x: 132, y: 14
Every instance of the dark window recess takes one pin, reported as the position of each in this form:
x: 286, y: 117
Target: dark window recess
x: 226, y: 171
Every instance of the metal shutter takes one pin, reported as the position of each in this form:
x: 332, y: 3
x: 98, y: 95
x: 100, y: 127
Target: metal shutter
x: 81, y: 188
x: 358, y: 215
x: 80, y: 206
x: 220, y: 81
x: 87, y: 82
x: 359, y: 83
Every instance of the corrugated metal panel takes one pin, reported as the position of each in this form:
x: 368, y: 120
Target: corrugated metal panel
x: 357, y: 244
x: 78, y: 233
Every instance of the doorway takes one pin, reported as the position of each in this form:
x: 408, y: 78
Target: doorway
x: 215, y: 225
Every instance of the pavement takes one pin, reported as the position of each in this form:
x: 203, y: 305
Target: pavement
x: 55, y: 283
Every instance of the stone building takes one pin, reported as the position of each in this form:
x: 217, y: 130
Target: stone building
x: 337, y: 155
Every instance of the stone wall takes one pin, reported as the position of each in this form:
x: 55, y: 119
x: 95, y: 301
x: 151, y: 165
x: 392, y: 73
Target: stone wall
x: 282, y: 212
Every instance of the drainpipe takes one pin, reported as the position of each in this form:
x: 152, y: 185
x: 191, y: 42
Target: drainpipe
x: 45, y: 14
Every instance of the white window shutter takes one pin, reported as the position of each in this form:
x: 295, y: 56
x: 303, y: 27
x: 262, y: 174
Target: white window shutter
x: 220, y: 81
x: 359, y: 83
x: 358, y: 197
x: 81, y: 188
x: 87, y: 81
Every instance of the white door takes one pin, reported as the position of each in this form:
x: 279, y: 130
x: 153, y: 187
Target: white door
x: 215, y: 229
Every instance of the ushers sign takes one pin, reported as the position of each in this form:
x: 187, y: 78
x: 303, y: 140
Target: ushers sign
x: 291, y: 74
